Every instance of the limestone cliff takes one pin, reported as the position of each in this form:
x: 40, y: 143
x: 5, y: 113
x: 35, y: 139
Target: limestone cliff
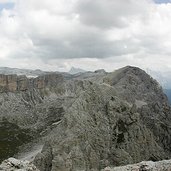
x: 13, y: 83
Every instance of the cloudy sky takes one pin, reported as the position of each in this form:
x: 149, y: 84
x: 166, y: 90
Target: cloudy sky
x: 90, y: 34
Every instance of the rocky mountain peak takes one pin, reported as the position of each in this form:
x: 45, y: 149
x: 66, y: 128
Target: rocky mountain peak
x: 74, y: 70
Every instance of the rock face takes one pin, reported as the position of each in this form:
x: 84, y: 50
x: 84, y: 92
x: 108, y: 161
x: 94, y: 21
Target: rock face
x: 13, y: 83
x: 13, y: 164
x: 164, y: 165
x: 8, y: 83
x: 44, y: 160
x: 92, y: 120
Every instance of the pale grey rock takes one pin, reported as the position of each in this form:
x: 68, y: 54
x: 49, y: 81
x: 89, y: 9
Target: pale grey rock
x: 13, y: 164
x: 140, y: 103
x: 164, y: 165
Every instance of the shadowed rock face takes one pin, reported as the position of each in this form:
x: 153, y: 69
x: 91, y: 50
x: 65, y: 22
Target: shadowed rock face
x: 92, y: 120
x: 11, y: 137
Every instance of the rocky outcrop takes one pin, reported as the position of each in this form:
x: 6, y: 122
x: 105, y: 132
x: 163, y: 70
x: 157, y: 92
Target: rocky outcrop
x: 43, y: 160
x: 22, y: 83
x: 13, y: 164
x: 164, y: 165
x: 134, y: 85
x: 8, y: 83
x: 13, y: 83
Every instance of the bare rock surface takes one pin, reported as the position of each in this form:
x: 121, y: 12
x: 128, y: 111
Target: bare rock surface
x: 13, y: 164
x: 164, y: 165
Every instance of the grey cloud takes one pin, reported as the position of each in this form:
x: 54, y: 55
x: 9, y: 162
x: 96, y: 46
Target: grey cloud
x: 83, y: 41
x: 82, y: 44
x: 107, y: 13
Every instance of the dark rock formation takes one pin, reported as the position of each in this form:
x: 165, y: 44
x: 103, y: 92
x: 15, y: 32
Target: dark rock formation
x: 11, y: 137
x: 102, y: 71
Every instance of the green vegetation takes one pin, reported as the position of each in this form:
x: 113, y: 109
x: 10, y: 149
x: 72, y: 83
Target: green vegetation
x: 11, y: 137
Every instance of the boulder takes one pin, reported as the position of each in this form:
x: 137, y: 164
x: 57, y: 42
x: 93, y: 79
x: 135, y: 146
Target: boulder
x: 13, y: 164
x: 164, y: 165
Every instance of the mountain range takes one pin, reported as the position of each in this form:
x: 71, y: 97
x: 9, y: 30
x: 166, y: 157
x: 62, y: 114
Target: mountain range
x: 84, y: 121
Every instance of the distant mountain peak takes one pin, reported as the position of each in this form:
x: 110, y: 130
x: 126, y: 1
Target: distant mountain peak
x: 74, y: 70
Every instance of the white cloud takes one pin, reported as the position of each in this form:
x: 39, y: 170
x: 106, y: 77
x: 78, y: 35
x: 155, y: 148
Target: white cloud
x: 58, y: 34
x: 107, y: 13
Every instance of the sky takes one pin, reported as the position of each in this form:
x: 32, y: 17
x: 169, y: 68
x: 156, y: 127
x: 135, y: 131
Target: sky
x: 58, y: 34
